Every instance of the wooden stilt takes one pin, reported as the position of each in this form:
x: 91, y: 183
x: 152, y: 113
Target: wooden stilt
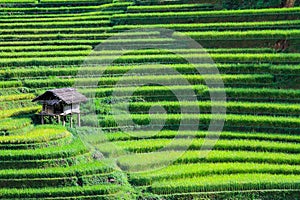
x: 58, y: 119
x: 64, y: 120
x: 71, y: 121
x: 42, y: 119
x: 78, y: 119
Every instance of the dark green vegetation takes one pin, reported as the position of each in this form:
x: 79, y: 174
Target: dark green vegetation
x: 42, y: 46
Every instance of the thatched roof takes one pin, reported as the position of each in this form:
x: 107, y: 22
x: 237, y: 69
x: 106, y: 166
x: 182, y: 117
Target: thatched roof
x: 67, y: 95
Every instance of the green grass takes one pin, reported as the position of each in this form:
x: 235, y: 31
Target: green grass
x: 221, y: 13
x: 19, y: 104
x: 36, y: 72
x: 18, y: 111
x: 62, y: 30
x: 41, y: 71
x: 8, y: 84
x: 150, y: 145
x: 174, y: 172
x: 169, y: 8
x: 80, y: 169
x: 229, y: 80
x: 207, y: 16
x: 227, y: 183
x: 23, y: 15
x: 62, y: 192
x: 63, y: 9
x: 284, y: 95
x: 51, y: 43
x: 167, y: 134
x: 16, y: 97
x: 38, y: 134
x: 245, y: 35
x: 42, y: 47
x: 21, y: 49
x: 285, y: 70
x: 154, y: 160
x: 84, y: 36
x: 217, y: 26
x: 165, y: 59
x: 64, y: 161
x: 56, y: 24
x: 17, y: 1
x: 172, y: 121
x: 86, y: 52
x: 55, y: 19
x: 56, y: 53
x: 158, y: 93
x: 10, y: 124
x: 205, y: 107
x: 73, y: 1
x: 72, y: 149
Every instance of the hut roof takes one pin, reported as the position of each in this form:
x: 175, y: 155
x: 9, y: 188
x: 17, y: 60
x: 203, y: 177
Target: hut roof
x: 67, y: 95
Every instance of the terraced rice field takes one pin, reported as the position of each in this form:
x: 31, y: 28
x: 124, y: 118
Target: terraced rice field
x: 43, y: 45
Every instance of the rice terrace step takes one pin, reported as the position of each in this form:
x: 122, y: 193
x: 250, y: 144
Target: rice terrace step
x: 150, y: 99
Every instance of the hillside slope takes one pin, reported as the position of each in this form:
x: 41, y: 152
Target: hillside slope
x: 44, y: 45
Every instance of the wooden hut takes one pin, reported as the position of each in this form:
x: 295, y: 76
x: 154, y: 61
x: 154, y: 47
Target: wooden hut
x: 60, y: 103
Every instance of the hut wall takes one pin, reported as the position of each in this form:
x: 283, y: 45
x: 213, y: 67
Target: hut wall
x: 49, y: 109
x: 74, y: 108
